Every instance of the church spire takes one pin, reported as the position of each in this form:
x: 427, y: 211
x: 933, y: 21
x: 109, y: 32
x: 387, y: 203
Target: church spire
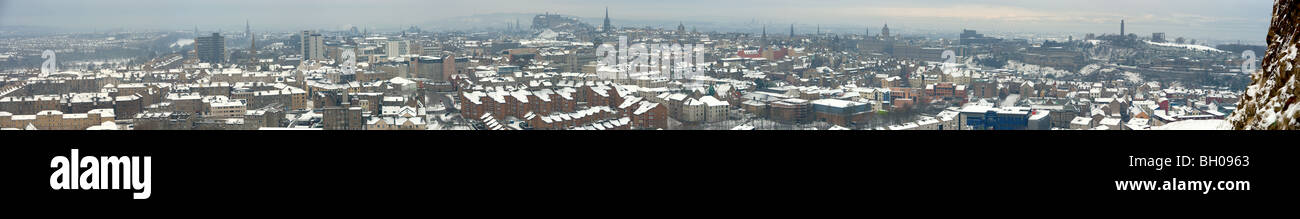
x: 791, y: 31
x: 252, y: 47
x: 607, y: 27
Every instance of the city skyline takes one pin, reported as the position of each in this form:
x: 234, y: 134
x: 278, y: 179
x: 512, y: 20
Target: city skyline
x: 1210, y: 20
x: 644, y: 69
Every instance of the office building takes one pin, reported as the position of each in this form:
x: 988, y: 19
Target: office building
x: 312, y: 46
x: 211, y: 49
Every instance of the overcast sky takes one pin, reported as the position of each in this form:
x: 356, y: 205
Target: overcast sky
x: 1227, y: 19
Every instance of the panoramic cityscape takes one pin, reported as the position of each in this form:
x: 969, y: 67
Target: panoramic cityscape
x: 566, y: 69
x: 573, y: 107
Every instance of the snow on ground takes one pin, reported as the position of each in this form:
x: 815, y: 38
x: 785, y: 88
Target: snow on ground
x: 1196, y: 125
x: 1268, y: 104
x: 1132, y: 77
x: 1010, y: 101
x: 744, y: 127
x: 1089, y: 69
x: 1187, y: 46
x: 182, y: 43
x: 1031, y: 69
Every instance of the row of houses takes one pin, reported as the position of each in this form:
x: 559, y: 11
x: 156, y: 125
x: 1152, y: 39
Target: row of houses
x: 566, y: 107
x: 56, y: 120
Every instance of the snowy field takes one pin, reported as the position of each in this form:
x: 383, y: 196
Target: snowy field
x: 1187, y: 46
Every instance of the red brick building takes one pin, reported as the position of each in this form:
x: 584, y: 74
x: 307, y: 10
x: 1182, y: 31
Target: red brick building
x: 648, y: 115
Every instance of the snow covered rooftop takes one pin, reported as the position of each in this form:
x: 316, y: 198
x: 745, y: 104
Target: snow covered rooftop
x: 837, y: 103
x: 1083, y: 121
x: 710, y: 101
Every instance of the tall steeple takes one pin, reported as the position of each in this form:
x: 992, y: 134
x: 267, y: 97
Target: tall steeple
x: 607, y: 27
x: 791, y: 31
x: 252, y: 47
x: 196, y: 42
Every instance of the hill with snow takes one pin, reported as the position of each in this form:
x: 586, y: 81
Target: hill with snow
x: 1271, y: 102
x: 1187, y: 46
